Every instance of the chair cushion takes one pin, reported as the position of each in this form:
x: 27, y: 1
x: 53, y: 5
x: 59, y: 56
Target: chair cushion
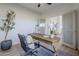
x: 29, y: 40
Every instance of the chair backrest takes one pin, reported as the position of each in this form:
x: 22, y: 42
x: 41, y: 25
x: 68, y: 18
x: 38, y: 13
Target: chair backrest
x: 23, y: 42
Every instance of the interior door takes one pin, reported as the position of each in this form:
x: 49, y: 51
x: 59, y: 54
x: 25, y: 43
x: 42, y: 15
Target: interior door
x: 69, y: 29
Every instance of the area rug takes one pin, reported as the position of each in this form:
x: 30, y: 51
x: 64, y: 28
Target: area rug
x: 44, y: 52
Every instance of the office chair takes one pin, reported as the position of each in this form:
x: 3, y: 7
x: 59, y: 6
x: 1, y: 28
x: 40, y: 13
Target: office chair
x: 25, y: 45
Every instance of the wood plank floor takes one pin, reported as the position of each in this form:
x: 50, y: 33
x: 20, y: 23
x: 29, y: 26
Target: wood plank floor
x: 16, y: 50
x: 72, y: 51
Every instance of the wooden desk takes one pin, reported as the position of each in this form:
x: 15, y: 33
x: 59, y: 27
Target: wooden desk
x: 47, y: 40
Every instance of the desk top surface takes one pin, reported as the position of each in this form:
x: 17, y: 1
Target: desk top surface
x: 44, y: 37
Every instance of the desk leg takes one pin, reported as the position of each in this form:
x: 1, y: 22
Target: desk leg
x: 54, y: 50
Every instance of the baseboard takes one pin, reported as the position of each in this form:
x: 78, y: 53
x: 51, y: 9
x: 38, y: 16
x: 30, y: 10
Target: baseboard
x: 68, y: 45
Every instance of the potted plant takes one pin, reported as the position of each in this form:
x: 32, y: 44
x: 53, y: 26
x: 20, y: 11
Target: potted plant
x: 8, y: 24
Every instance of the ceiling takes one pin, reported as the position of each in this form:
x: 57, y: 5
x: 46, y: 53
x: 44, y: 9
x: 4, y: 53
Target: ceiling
x: 42, y: 9
x: 48, y: 9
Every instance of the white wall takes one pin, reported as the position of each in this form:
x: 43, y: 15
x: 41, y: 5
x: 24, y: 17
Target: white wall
x: 25, y: 21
